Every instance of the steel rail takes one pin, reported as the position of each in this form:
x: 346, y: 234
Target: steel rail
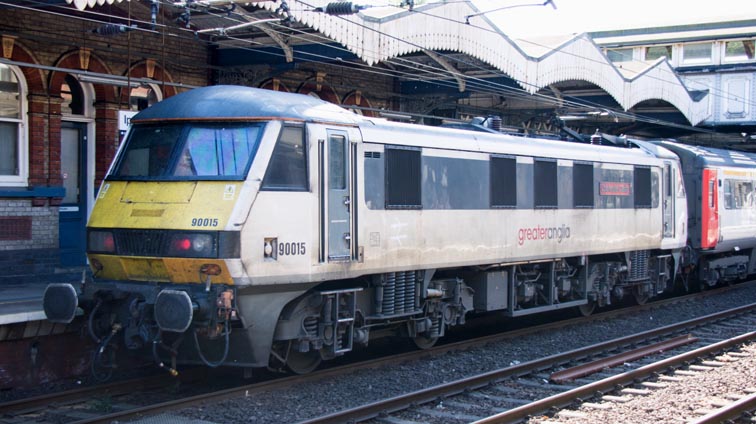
x: 579, y: 371
x: 729, y: 412
x: 611, y: 383
x: 397, y: 403
x: 340, y: 370
x: 112, y: 388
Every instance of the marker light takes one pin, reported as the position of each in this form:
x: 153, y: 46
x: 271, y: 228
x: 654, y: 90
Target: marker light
x: 192, y: 245
x: 101, y: 242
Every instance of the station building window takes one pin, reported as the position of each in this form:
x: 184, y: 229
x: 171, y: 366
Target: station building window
x: 143, y: 96
x: 72, y: 96
x: 655, y: 52
x: 741, y: 50
x: 620, y: 55
x: 13, y: 144
x: 698, y: 53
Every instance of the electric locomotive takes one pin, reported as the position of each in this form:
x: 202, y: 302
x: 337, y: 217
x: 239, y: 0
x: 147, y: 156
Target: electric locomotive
x: 254, y: 228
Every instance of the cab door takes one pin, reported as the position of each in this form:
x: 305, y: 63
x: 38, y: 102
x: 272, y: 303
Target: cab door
x: 338, y: 200
x: 668, y: 201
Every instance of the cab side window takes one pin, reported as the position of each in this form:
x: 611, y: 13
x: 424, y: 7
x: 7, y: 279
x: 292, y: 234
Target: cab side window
x: 287, y: 170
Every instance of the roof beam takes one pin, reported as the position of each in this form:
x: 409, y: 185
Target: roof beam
x: 449, y: 67
x: 278, y: 39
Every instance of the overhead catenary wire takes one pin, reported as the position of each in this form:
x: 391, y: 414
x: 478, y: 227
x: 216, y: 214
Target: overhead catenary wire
x: 479, y: 85
x: 441, y: 73
x: 227, y: 15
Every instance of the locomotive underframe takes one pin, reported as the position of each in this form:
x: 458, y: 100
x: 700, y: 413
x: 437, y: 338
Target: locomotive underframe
x: 250, y: 326
x: 422, y: 304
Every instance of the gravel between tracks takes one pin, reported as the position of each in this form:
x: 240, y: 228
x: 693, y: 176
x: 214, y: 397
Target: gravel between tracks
x: 679, y: 402
x: 365, y: 386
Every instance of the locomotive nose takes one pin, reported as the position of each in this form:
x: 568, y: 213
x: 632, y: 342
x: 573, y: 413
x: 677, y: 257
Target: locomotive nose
x: 60, y: 302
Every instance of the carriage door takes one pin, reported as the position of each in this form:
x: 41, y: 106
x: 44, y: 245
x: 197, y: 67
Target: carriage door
x: 668, y: 201
x: 339, y: 199
x: 73, y: 208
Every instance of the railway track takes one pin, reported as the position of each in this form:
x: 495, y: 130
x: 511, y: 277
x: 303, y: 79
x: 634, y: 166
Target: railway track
x: 80, y: 401
x: 528, y: 389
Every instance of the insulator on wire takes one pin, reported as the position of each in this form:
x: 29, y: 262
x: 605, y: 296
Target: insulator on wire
x: 112, y: 29
x: 342, y: 8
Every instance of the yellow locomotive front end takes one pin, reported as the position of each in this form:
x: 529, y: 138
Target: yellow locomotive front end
x: 167, y: 248
x: 164, y: 232
x: 161, y: 244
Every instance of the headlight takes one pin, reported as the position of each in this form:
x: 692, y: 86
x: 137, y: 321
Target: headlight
x: 101, y: 242
x: 200, y: 245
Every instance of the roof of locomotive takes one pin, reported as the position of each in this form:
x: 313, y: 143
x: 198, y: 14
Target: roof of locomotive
x: 711, y: 155
x: 384, y: 132
x: 230, y: 102
x: 239, y: 103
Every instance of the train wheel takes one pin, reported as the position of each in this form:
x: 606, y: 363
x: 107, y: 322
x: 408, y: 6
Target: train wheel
x: 640, y: 296
x: 587, y: 309
x: 425, y: 342
x: 303, y: 362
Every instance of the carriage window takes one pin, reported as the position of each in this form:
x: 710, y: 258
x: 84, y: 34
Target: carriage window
x: 642, y: 187
x: 545, y: 187
x: 287, y: 169
x: 582, y: 185
x: 739, y: 194
x: 403, y: 179
x: 503, y: 182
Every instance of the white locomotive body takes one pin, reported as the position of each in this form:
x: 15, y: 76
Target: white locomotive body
x: 324, y: 227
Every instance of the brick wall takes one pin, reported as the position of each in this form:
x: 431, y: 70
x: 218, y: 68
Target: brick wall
x: 23, y: 226
x: 29, y: 226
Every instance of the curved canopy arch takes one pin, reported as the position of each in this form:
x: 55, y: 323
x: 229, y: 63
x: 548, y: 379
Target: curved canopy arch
x: 379, y: 34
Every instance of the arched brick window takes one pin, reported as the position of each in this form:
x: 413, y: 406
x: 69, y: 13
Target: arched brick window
x: 14, y: 148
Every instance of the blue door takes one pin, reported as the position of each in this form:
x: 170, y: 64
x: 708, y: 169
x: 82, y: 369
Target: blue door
x: 73, y: 209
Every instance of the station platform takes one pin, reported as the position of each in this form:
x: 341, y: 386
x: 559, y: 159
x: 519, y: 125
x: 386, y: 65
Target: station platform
x: 34, y: 350
x: 22, y: 301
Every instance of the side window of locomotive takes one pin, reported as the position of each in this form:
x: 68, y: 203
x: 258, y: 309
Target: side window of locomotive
x: 217, y: 151
x: 545, y: 184
x: 287, y: 170
x: 403, y: 178
x: 642, y: 187
x: 582, y: 185
x: 503, y: 182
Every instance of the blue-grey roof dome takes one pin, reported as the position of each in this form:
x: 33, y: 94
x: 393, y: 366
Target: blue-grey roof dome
x: 239, y: 102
